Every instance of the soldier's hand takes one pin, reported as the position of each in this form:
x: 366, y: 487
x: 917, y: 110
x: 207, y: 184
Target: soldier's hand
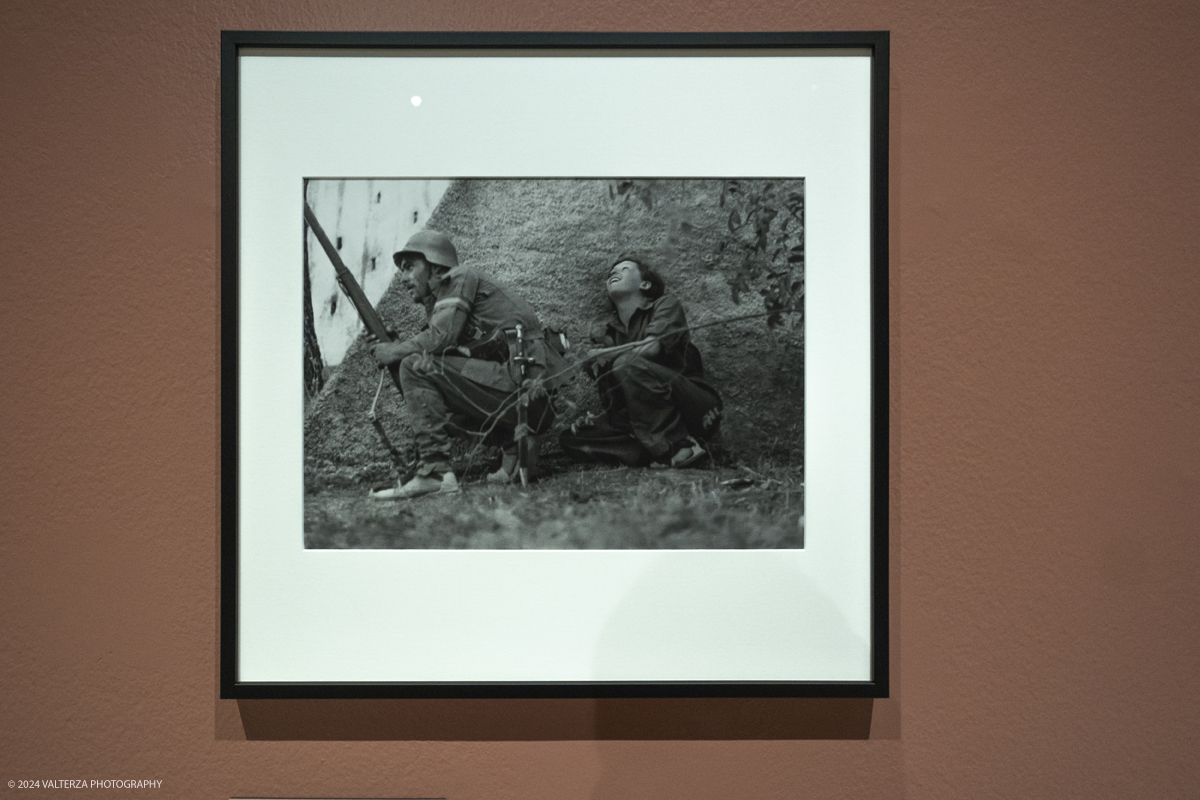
x: 372, y: 339
x: 602, y: 358
x: 588, y: 355
x: 649, y: 348
x: 387, y: 353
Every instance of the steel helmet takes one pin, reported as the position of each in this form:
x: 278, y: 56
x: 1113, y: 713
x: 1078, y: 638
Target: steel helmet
x: 434, y: 247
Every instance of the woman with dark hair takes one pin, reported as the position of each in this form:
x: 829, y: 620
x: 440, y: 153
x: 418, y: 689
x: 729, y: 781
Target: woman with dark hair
x: 659, y: 409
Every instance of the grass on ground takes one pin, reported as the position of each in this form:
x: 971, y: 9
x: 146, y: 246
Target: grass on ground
x: 580, y: 507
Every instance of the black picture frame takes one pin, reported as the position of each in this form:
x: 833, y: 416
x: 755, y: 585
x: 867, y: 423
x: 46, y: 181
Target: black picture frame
x: 233, y: 44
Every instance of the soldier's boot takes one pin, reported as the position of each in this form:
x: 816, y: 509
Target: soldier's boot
x: 431, y: 478
x: 686, y: 453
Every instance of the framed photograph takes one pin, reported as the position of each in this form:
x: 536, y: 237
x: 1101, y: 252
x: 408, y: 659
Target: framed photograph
x: 554, y: 365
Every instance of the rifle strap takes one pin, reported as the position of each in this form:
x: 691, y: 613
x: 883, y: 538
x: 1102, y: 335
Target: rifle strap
x: 371, y: 414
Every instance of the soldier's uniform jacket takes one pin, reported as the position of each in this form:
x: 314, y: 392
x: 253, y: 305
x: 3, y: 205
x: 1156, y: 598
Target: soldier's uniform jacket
x: 654, y: 402
x: 662, y: 317
x: 471, y: 311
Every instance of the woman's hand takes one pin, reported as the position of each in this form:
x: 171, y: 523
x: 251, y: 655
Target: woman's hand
x: 648, y: 349
x: 599, y: 356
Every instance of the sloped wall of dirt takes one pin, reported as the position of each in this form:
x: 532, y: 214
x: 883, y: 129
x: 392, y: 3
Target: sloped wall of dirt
x: 553, y: 241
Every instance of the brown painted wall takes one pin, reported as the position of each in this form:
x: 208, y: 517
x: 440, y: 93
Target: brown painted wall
x: 1046, y: 434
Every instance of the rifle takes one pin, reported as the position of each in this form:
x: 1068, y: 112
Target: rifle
x: 350, y: 287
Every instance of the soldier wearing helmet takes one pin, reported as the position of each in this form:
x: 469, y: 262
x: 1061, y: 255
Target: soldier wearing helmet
x: 458, y: 364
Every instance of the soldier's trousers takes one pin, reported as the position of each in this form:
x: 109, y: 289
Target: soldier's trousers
x: 467, y: 395
x: 651, y: 408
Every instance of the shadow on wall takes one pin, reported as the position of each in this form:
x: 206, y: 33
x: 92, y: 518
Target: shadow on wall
x: 553, y: 242
x: 556, y: 720
x: 720, y: 615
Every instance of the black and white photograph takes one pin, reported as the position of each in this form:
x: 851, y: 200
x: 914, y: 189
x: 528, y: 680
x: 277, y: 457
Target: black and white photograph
x: 554, y: 363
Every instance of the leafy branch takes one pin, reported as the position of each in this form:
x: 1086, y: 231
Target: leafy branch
x: 761, y: 245
x: 766, y: 243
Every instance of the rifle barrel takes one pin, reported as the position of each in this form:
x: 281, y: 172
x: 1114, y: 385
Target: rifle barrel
x: 366, y: 311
